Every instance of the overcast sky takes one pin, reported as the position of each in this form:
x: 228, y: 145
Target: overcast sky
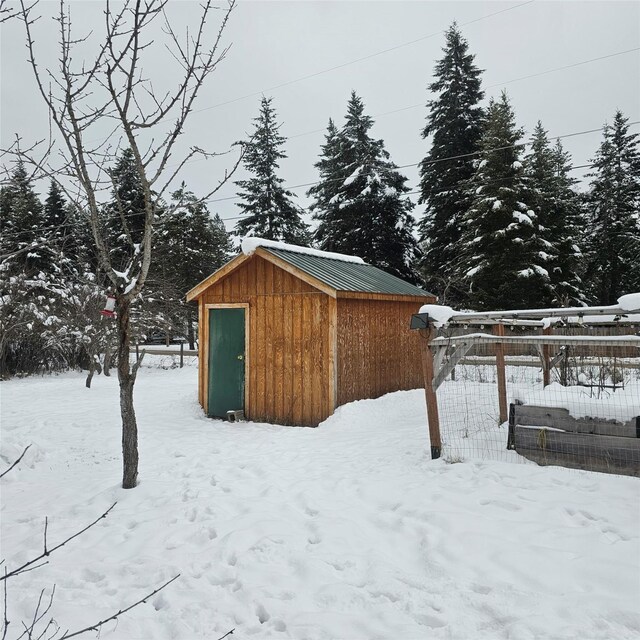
x: 278, y: 42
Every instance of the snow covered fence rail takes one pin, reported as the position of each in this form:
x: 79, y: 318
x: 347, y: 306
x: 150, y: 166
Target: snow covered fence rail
x: 602, y: 397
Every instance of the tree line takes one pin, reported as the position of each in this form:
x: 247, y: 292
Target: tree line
x: 53, y: 288
x: 504, y: 225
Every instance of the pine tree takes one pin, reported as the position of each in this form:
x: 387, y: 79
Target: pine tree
x: 360, y: 201
x: 502, y: 238
x: 613, y: 204
x: 552, y: 196
x: 269, y: 208
x: 61, y: 234
x: 21, y: 223
x: 125, y: 213
x: 191, y: 245
x: 455, y: 122
x: 331, y: 173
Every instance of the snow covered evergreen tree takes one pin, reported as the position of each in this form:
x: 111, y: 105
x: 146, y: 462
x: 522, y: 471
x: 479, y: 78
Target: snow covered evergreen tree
x: 455, y: 124
x: 552, y: 196
x: 613, y: 210
x: 36, y: 279
x: 62, y: 237
x: 360, y: 201
x: 21, y: 224
x: 503, y: 243
x: 331, y: 174
x: 191, y: 245
x: 268, y: 206
x: 125, y: 213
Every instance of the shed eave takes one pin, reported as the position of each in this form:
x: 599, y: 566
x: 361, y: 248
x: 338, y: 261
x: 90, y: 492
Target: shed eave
x: 387, y: 296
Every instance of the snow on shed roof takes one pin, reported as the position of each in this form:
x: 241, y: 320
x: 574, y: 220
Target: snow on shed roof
x: 339, y: 272
x: 343, y: 275
x: 250, y: 244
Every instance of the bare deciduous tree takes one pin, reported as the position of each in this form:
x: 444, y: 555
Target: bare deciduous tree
x: 112, y: 92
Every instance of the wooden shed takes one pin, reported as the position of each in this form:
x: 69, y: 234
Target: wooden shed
x: 288, y: 334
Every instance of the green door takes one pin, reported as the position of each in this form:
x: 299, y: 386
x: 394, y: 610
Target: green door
x: 226, y: 361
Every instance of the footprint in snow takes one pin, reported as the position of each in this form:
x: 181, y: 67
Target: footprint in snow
x: 507, y: 506
x: 481, y: 589
x: 92, y: 576
x: 263, y: 614
x: 430, y: 621
x: 278, y: 625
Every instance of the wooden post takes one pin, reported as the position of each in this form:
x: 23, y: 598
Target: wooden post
x: 502, y: 379
x: 181, y: 355
x: 427, y: 336
x: 546, y: 359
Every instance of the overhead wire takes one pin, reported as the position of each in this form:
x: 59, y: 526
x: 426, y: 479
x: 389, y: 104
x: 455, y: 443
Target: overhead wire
x: 491, y: 86
x: 438, y: 160
x: 417, y: 191
x: 357, y: 60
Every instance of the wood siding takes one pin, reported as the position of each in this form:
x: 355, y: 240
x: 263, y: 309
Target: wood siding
x: 290, y: 377
x: 377, y: 352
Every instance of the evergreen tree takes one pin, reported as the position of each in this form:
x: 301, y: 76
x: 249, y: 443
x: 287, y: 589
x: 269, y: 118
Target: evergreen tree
x: 191, y: 245
x: 331, y: 174
x: 613, y: 204
x: 360, y: 200
x: 503, y: 244
x: 125, y: 213
x: 63, y: 237
x: 21, y: 223
x: 455, y: 123
x: 269, y: 208
x: 553, y: 198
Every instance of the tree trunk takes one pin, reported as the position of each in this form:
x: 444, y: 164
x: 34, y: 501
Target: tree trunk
x: 106, y: 367
x: 92, y: 368
x: 126, y: 380
x: 190, y: 333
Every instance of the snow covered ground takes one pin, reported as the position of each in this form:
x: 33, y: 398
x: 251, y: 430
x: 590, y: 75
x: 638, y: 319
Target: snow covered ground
x: 347, y: 531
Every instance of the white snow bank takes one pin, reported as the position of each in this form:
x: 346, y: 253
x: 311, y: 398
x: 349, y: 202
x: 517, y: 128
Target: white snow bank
x: 630, y: 302
x: 621, y: 405
x: 250, y: 244
x: 345, y: 531
x: 438, y: 313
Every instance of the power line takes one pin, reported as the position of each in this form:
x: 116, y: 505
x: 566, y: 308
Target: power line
x: 362, y: 59
x: 491, y: 86
x: 417, y: 191
x: 438, y: 160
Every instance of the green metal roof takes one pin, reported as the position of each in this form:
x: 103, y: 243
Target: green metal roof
x: 348, y: 276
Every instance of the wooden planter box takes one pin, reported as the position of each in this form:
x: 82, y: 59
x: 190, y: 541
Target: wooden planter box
x: 551, y: 436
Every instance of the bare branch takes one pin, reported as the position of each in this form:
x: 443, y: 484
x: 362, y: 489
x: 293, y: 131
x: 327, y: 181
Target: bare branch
x: 4, y: 473
x: 6, y: 620
x: 47, y: 552
x: 98, y: 625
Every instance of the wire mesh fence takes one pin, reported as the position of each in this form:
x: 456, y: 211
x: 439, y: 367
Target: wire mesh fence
x: 571, y: 399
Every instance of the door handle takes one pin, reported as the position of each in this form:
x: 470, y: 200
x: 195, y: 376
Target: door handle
x: 240, y: 357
